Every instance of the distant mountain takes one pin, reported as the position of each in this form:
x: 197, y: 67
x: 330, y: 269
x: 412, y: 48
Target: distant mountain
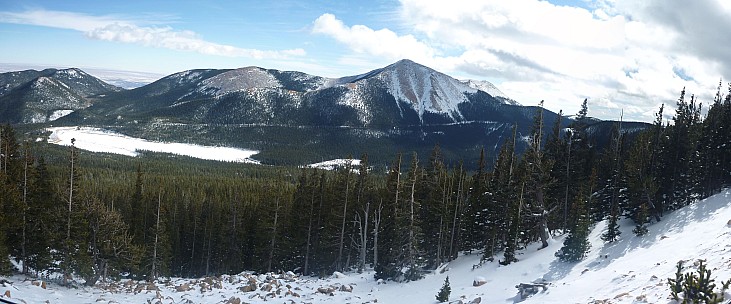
x: 39, y: 96
x: 297, y: 118
x: 291, y: 117
x: 489, y: 88
x: 404, y: 93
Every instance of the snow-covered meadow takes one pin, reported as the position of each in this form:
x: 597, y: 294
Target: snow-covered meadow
x: 98, y: 140
x: 631, y: 270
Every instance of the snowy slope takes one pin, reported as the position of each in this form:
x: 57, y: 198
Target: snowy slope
x: 632, y: 270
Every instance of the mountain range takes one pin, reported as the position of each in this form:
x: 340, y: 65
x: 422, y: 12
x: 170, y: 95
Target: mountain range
x: 292, y: 117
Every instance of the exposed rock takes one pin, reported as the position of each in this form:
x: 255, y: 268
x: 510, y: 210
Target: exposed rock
x: 346, y: 288
x: 43, y: 284
x: 7, y: 294
x: 526, y: 290
x: 476, y: 300
x: 326, y: 289
x: 479, y: 281
x: 621, y: 295
x: 233, y: 300
x: 183, y: 288
x: 248, y: 288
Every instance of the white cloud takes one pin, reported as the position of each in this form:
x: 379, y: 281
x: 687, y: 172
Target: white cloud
x: 126, y: 30
x: 382, y: 43
x: 622, y: 54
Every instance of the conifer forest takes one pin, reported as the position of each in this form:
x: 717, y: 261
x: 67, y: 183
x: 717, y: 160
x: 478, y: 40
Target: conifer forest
x: 101, y: 216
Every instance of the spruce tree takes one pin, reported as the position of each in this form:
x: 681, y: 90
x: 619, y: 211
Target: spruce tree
x: 473, y: 220
x: 443, y: 295
x: 389, y: 251
x: 413, y: 233
x: 576, y: 244
x: 42, y: 222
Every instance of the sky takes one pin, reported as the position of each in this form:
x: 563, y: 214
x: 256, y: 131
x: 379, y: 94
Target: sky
x: 624, y: 56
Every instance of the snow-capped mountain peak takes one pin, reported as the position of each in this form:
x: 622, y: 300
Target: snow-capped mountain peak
x: 489, y: 88
x: 425, y: 89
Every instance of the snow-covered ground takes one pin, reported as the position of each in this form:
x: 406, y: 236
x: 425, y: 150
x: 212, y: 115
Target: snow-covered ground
x: 98, y: 140
x: 632, y: 270
x: 334, y: 164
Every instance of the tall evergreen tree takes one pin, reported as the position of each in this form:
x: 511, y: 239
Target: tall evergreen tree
x: 474, y: 218
x: 576, y: 244
x: 538, y: 179
x: 389, y: 251
x: 413, y: 262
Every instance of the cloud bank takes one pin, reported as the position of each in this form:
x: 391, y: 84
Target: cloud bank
x: 621, y: 54
x: 128, y: 30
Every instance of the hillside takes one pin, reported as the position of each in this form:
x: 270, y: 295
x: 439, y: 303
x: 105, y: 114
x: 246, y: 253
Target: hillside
x: 40, y: 96
x: 632, y: 270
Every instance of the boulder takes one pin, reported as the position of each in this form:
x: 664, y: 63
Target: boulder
x: 326, y: 289
x: 479, y: 281
x: 248, y: 288
x: 183, y: 288
x: 526, y: 290
x: 346, y: 288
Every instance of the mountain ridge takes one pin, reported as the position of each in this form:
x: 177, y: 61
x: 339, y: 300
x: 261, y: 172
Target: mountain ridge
x: 32, y: 96
x: 292, y: 117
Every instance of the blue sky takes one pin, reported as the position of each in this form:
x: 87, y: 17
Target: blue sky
x: 621, y: 54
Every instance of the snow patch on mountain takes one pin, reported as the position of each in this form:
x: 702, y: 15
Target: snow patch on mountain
x: 425, y: 89
x: 58, y: 114
x: 489, y: 88
x: 354, y: 98
x: 239, y: 80
x: 335, y: 164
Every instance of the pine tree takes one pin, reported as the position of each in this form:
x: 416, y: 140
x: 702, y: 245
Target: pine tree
x: 5, y: 266
x: 443, y: 295
x: 432, y: 192
x: 576, y: 244
x: 475, y: 213
x: 414, y: 236
x: 537, y: 178
x: 41, y: 220
x: 388, y: 266
x: 110, y: 246
x: 502, y: 198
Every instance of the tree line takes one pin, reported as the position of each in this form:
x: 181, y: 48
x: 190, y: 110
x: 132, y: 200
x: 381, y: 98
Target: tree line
x: 89, y: 216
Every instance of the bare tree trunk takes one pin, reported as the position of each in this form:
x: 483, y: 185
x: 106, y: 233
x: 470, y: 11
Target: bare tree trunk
x: 363, y: 237
x: 568, y: 181
x: 68, y: 217
x: 157, y: 231
x: 309, y: 234
x: 25, y: 209
x: 543, y: 216
x: 439, y: 242
x: 208, y: 253
x: 412, y: 219
x: 457, y: 204
x: 376, y: 227
x: 342, y: 229
x: 195, y: 229
x: 274, y: 237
